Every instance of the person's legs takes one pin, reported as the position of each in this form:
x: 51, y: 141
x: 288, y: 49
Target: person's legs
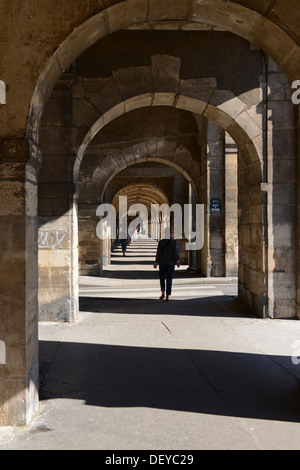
x: 124, y: 247
x: 162, y: 277
x: 169, y: 276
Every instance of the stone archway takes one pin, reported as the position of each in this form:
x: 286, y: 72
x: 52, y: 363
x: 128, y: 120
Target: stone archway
x: 19, y: 400
x: 252, y: 280
x: 232, y: 17
x: 133, y: 14
x: 225, y: 115
x: 145, y: 194
x: 190, y: 176
x: 185, y: 172
x: 227, y: 111
x: 148, y: 194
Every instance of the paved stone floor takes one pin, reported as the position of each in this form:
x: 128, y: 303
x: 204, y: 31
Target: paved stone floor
x: 136, y: 373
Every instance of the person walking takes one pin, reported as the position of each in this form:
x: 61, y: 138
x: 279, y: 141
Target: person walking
x: 124, y: 246
x: 167, y: 256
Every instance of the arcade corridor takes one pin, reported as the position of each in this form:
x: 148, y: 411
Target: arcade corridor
x: 163, y: 102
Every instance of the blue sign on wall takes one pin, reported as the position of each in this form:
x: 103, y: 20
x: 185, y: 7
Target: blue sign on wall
x: 215, y: 206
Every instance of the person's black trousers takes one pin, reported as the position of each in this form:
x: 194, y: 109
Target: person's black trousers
x: 166, y: 272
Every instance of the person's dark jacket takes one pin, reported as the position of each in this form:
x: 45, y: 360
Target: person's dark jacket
x: 167, y: 252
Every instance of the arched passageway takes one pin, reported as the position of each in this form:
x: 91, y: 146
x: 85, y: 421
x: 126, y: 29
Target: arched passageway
x: 260, y: 120
x: 189, y: 166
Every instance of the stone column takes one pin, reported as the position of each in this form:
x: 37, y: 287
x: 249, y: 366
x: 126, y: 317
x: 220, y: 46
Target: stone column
x: 214, y: 197
x: 193, y: 255
x: 181, y: 196
x: 18, y: 295
x: 58, y: 257
x: 105, y: 248
x: 89, y: 244
x: 58, y: 232
x: 281, y: 193
x: 297, y: 136
x: 231, y: 207
x: 251, y: 274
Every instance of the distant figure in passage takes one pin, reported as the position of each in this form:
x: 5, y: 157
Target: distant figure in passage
x: 167, y: 257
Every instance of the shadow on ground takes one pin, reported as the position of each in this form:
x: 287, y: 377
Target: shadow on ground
x: 145, y: 274
x: 214, y: 306
x: 197, y: 381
